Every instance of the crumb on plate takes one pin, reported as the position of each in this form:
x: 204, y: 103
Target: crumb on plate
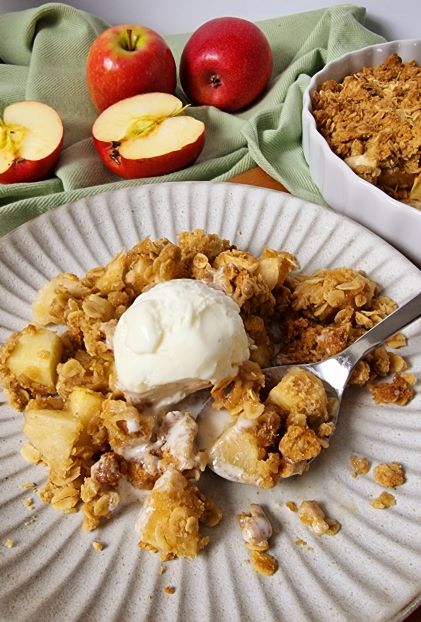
x: 389, y: 474
x: 311, y: 514
x: 28, y: 486
x: 360, y: 465
x: 383, y: 501
x: 398, y: 391
x: 263, y: 563
x: 29, y: 503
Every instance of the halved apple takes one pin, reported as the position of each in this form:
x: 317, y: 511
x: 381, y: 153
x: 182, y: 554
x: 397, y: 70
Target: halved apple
x: 147, y: 135
x: 31, y: 137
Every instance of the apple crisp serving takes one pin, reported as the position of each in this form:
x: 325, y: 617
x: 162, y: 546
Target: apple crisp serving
x: 97, y: 443
x: 372, y: 120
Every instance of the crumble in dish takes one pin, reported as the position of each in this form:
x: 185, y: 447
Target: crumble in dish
x: 372, y: 120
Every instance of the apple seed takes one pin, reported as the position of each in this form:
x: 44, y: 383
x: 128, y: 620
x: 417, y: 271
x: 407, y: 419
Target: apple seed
x: 11, y: 137
x: 114, y: 153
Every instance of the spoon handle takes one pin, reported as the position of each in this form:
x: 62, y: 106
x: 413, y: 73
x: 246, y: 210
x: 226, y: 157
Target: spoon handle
x: 404, y: 315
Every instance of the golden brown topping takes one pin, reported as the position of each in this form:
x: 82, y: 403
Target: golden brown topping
x: 399, y: 391
x: 389, y: 474
x: 263, y: 563
x: 323, y: 293
x: 372, y: 120
x: 383, y: 501
x: 168, y: 522
x: 299, y: 444
x: 360, y: 465
x: 397, y: 341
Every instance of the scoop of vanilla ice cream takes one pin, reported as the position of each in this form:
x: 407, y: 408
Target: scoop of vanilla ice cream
x: 179, y: 336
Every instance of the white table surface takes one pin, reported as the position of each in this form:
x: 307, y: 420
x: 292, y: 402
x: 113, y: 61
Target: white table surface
x: 394, y: 19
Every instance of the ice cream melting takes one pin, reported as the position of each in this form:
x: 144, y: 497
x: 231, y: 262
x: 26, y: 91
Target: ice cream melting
x: 176, y: 338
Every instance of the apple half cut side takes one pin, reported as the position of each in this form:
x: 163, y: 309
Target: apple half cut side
x: 147, y: 135
x: 31, y: 138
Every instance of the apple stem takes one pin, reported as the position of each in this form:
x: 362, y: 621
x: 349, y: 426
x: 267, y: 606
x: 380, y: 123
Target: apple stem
x: 131, y: 42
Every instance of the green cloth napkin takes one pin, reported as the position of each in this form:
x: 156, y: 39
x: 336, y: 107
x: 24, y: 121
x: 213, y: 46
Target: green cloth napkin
x: 43, y: 54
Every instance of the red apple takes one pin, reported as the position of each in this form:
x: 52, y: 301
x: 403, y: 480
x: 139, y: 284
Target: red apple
x: 127, y: 60
x: 226, y: 63
x: 147, y: 135
x: 31, y: 137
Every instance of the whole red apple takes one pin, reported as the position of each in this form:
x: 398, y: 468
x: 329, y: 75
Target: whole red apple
x: 127, y: 60
x: 147, y: 135
x: 31, y: 137
x: 227, y: 63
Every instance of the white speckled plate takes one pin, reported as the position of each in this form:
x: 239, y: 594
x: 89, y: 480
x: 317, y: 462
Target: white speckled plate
x: 370, y: 571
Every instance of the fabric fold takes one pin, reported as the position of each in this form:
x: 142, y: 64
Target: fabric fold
x: 43, y: 56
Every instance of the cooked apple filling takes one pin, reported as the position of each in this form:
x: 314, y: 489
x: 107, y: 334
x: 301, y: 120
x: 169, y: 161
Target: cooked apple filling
x: 98, y: 444
x: 371, y: 119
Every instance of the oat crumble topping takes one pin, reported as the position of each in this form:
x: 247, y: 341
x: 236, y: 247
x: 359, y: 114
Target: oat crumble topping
x: 372, y: 120
x: 383, y: 501
x: 360, y: 465
x: 263, y: 563
x: 93, y: 440
x: 390, y: 474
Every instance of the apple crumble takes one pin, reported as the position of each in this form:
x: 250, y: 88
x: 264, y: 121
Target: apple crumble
x: 372, y: 120
x: 99, y: 443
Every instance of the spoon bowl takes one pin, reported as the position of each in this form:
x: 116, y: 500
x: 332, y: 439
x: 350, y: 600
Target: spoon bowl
x: 334, y: 371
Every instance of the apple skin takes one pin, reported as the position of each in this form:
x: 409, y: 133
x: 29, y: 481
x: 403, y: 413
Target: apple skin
x: 114, y: 72
x: 226, y: 63
x: 23, y: 170
x: 149, y: 167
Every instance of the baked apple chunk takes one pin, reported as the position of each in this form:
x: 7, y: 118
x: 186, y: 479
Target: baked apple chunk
x: 169, y: 521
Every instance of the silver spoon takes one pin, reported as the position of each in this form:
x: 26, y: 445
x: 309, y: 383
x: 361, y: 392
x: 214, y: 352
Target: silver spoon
x: 334, y: 371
